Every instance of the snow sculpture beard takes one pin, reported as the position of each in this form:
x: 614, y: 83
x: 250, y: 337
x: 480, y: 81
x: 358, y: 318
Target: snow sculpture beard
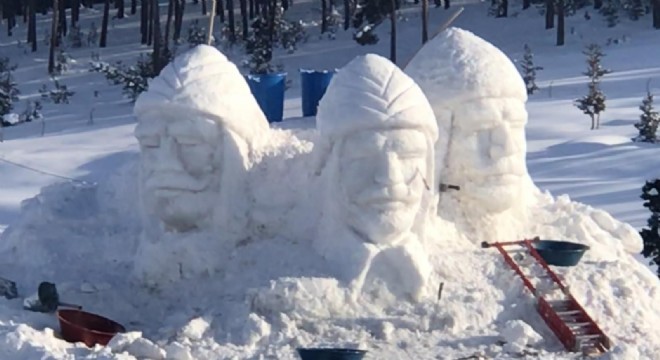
x: 381, y: 182
x: 180, y: 163
x: 486, y: 154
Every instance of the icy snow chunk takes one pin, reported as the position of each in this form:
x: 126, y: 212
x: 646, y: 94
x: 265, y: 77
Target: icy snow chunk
x: 144, y: 348
x: 176, y: 351
x: 621, y: 352
x: 519, y: 333
x: 256, y: 328
x: 196, y: 328
x: 121, y: 341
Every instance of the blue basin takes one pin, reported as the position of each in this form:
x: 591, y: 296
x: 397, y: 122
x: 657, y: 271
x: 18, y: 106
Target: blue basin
x: 560, y: 253
x: 330, y: 354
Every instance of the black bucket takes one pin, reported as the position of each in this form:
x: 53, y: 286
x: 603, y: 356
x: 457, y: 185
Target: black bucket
x: 330, y: 354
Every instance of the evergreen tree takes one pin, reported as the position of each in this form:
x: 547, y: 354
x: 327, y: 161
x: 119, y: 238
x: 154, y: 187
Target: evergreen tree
x: 648, y: 121
x: 611, y: 12
x: 8, y: 87
x: 650, y: 235
x: 529, y: 70
x: 593, y: 103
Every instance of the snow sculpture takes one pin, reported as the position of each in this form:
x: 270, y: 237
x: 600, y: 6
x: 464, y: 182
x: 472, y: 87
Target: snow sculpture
x: 196, y: 123
x: 376, y: 136
x: 478, y: 98
x: 197, y: 126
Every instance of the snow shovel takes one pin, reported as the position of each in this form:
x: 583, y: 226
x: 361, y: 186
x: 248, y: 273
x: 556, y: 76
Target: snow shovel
x: 8, y: 289
x: 47, y: 301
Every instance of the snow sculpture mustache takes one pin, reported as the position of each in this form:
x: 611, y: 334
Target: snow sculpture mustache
x: 198, y: 124
x: 375, y: 149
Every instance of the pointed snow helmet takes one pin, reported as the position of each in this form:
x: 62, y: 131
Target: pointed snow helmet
x: 203, y: 81
x: 371, y: 92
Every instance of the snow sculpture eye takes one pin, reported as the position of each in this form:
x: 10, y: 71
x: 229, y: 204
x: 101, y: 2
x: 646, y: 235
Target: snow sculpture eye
x: 149, y: 141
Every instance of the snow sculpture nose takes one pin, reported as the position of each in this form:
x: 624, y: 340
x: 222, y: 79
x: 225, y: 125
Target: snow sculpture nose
x: 167, y: 156
x: 503, y: 142
x: 388, y: 170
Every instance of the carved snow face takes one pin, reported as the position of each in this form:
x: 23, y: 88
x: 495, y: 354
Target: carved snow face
x: 381, y: 179
x: 487, y: 153
x: 180, y: 162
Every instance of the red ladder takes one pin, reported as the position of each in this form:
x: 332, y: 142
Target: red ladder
x: 567, y: 319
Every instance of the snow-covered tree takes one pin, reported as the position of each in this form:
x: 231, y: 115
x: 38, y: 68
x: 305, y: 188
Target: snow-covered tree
x: 529, y: 70
x: 651, y: 235
x: 8, y: 87
x: 593, y: 104
x: 648, y: 121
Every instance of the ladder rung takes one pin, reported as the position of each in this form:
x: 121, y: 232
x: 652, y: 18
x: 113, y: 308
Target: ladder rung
x: 588, y: 337
x: 569, y: 312
x: 576, y: 325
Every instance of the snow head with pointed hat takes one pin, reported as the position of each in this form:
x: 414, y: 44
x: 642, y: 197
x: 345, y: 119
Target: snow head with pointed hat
x: 196, y: 125
x: 478, y: 98
x: 376, y: 136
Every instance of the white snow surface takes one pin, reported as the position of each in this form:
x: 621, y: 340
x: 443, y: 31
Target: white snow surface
x: 272, y: 293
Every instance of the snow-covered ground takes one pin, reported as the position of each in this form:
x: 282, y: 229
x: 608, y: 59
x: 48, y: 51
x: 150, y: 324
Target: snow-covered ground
x: 85, y: 231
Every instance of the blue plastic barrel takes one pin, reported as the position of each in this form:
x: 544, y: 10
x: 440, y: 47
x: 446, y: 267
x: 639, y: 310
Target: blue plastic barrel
x: 268, y: 90
x: 330, y: 354
x: 313, y: 86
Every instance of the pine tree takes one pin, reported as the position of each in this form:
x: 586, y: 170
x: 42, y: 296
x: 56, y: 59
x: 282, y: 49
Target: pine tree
x: 648, y: 121
x: 8, y: 87
x: 593, y: 103
x: 650, y: 235
x: 611, y: 12
x: 529, y: 70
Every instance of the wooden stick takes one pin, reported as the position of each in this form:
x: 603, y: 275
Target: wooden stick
x: 211, y: 18
x: 442, y: 28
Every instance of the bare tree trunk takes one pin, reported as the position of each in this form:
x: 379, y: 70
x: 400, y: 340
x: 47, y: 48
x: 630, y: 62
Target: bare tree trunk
x: 119, y: 4
x: 598, y: 4
x: 425, y: 21
x: 324, y: 16
x: 446, y: 4
x: 204, y: 11
x: 656, y: 14
x: 178, y: 18
x: 75, y: 12
x: 168, y: 24
x: 32, y: 25
x: 150, y: 24
x: 251, y: 8
x: 347, y: 14
x: 62, y: 14
x: 526, y: 4
x: 220, y: 9
x: 157, y: 59
x: 244, y: 18
x: 231, y: 20
x: 9, y: 11
x: 133, y: 7
x: 53, y: 37
x: 560, y: 22
x: 393, y: 32
x: 549, y: 14
x: 104, y: 24
x: 144, y: 20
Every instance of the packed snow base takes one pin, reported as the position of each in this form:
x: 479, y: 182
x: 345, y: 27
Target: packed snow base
x: 271, y: 292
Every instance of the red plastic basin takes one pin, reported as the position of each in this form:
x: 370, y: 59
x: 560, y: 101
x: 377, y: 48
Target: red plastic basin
x: 91, y: 329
